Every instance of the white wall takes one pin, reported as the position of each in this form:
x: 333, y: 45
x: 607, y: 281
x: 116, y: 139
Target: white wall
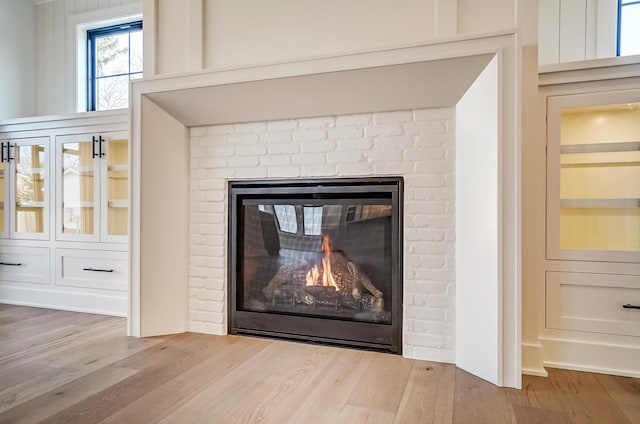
x: 17, y: 50
x: 577, y: 30
x: 197, y: 34
x: 55, y: 52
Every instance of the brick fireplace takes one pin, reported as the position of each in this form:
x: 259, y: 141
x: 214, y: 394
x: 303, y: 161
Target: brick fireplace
x: 418, y: 145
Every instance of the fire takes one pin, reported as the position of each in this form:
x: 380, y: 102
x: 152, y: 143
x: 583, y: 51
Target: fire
x: 313, y: 276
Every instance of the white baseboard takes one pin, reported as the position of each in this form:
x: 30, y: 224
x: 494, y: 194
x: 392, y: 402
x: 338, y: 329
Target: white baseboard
x: 52, y: 298
x: 602, y: 358
x: 533, y: 360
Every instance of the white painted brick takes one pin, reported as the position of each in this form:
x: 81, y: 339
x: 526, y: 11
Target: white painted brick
x: 365, y: 144
x: 324, y: 146
x: 425, y: 127
x: 283, y: 148
x: 309, y: 135
x: 434, y: 354
x: 345, y: 132
x: 217, y: 295
x: 360, y: 143
x: 353, y: 156
x: 256, y: 150
x: 430, y: 314
x: 422, y: 234
x: 428, y: 340
x: 243, y: 139
x: 355, y: 169
x: 379, y: 155
x: 275, y: 160
x: 392, y: 168
x: 419, y: 155
x: 400, y: 142
x: 383, y: 130
x: 252, y: 173
x: 393, y: 117
x: 351, y: 120
x: 250, y: 128
x: 220, y: 129
x: 197, y: 131
x: 323, y: 122
x: 215, y: 283
x: 275, y: 137
x: 309, y: 158
x: 283, y: 172
x: 282, y: 125
x: 224, y: 151
x: 243, y: 161
x: 319, y: 170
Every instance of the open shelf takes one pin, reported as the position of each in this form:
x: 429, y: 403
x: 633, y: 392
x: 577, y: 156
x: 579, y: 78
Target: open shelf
x: 599, y: 203
x: 118, y: 204
x: 626, y: 146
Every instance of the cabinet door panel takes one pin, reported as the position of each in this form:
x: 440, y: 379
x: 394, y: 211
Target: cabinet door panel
x: 115, y: 166
x: 78, y: 176
x: 4, y: 193
x: 30, y: 187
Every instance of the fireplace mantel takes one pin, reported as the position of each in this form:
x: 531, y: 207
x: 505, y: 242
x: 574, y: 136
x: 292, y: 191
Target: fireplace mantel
x: 409, y: 77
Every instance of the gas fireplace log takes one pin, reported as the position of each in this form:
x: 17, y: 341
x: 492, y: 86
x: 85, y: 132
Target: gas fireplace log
x: 285, y: 275
x: 362, y: 279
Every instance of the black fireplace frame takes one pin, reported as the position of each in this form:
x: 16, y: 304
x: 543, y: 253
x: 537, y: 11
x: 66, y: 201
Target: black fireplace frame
x: 369, y: 335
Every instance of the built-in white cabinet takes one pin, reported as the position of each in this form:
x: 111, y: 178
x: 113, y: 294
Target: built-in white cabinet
x: 592, y: 264
x: 92, y: 187
x: 64, y: 212
x: 25, y: 188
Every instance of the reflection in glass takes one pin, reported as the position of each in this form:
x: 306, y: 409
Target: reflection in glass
x: 30, y: 163
x: 117, y: 187
x: 78, y: 188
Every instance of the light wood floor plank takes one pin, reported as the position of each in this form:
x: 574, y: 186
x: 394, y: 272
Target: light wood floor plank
x: 428, y: 397
x: 584, y: 399
x: 64, y: 367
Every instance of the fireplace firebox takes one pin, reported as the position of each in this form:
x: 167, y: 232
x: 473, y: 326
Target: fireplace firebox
x: 317, y: 260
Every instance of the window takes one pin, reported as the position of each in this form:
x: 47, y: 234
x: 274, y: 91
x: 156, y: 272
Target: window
x: 628, y: 27
x: 312, y: 220
x: 114, y: 56
x: 287, y: 219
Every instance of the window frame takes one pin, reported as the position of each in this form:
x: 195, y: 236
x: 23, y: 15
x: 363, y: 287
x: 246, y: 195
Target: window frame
x: 92, y: 35
x: 619, y: 23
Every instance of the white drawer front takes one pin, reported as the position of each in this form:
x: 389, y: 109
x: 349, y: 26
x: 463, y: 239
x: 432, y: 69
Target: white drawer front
x: 24, y: 264
x: 92, y: 269
x: 593, y: 303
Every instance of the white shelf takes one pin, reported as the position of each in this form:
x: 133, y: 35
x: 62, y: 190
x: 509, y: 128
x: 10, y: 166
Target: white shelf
x: 599, y: 203
x: 30, y: 204
x: 78, y: 204
x: 114, y: 204
x: 625, y: 146
x: 118, y: 167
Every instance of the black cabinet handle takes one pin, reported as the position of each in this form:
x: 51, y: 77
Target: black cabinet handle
x: 97, y: 270
x: 9, y: 146
x: 10, y: 264
x: 2, y: 152
x: 101, y: 140
x: 630, y: 306
x: 93, y: 148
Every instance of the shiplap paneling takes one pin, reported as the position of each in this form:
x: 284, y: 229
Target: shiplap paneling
x: 549, y: 32
x: 54, y: 92
x: 572, y: 30
x: 591, y: 29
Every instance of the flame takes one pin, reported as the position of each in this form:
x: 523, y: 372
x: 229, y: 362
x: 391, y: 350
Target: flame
x: 313, y: 276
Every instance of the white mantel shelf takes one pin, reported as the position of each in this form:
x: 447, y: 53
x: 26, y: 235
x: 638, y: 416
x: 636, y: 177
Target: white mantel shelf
x: 409, y: 77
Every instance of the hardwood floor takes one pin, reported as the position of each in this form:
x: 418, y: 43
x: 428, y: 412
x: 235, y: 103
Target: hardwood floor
x: 64, y: 367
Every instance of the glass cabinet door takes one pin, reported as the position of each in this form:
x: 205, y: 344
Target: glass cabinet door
x: 28, y: 157
x: 3, y: 194
x: 594, y: 177
x: 115, y: 165
x: 78, y: 175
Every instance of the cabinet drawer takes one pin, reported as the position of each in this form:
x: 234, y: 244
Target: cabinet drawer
x: 97, y: 269
x: 24, y: 264
x: 593, y: 303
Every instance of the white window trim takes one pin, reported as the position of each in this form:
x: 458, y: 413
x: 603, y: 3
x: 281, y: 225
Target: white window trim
x: 77, y: 26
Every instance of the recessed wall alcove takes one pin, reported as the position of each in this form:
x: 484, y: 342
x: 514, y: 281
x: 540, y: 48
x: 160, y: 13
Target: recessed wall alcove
x: 477, y: 76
